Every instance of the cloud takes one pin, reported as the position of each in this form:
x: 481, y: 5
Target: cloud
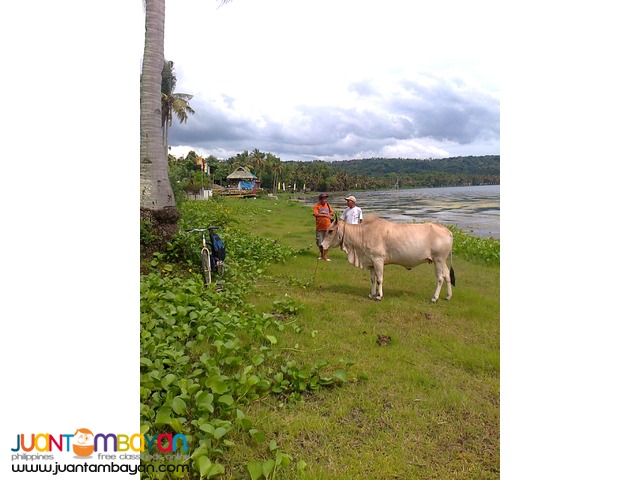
x: 335, y: 79
x: 419, y: 117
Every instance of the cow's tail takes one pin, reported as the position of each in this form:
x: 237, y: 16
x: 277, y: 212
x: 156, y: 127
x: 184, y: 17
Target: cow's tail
x: 452, y: 275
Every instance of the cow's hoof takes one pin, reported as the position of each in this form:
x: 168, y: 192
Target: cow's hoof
x: 434, y: 300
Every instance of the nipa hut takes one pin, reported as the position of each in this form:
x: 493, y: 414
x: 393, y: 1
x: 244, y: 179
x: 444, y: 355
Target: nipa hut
x: 243, y: 179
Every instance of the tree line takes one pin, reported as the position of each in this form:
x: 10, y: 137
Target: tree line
x: 187, y: 173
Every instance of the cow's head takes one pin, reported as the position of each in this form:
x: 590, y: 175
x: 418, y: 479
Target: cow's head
x: 334, y: 234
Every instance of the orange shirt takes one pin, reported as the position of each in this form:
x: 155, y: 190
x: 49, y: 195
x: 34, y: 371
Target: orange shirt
x: 322, y: 223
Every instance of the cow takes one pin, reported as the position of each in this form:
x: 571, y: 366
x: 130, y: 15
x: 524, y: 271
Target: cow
x: 375, y: 243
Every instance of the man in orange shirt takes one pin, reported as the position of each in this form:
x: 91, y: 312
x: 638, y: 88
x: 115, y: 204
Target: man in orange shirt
x: 323, y: 213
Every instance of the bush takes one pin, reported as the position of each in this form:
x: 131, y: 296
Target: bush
x: 147, y: 235
x: 475, y: 249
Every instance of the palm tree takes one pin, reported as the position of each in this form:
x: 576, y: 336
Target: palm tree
x: 172, y: 103
x: 258, y: 161
x: 155, y: 189
x: 274, y: 165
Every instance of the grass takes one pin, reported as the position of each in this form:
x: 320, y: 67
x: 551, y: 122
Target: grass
x: 424, y: 406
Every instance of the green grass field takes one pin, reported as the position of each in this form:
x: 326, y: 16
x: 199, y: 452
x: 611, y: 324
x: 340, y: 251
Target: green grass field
x: 426, y: 405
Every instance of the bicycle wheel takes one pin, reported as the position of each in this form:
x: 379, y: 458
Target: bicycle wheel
x: 206, y: 266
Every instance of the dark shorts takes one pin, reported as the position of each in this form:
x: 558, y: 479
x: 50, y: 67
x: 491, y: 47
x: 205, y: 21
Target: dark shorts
x: 320, y: 234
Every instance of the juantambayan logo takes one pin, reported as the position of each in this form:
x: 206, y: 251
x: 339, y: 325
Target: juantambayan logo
x: 84, y: 443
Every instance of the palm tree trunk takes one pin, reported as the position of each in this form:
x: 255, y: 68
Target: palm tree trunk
x: 165, y: 140
x: 155, y: 188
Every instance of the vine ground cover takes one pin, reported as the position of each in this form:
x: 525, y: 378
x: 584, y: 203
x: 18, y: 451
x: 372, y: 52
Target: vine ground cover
x: 253, y: 387
x: 206, y: 353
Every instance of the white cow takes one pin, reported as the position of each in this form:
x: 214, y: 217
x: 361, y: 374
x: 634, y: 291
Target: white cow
x: 375, y: 243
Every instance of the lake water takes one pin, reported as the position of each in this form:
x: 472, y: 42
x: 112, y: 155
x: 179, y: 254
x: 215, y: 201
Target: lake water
x: 474, y: 209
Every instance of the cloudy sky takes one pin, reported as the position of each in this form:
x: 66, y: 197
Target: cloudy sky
x: 333, y: 80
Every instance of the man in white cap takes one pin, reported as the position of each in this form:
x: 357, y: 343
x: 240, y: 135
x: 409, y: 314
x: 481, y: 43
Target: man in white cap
x: 352, y: 214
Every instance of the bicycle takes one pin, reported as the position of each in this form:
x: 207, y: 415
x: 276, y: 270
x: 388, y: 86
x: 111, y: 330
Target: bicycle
x: 209, y: 259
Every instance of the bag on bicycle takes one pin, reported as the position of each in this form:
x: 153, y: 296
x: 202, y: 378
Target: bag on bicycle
x: 217, y: 247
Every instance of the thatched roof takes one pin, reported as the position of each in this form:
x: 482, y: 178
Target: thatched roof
x: 241, y: 174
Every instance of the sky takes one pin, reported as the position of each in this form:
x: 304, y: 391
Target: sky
x: 336, y: 80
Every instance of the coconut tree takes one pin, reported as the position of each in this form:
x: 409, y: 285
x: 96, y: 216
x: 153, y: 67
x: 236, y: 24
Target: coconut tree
x: 155, y: 189
x: 274, y: 165
x: 257, y: 158
x: 172, y: 103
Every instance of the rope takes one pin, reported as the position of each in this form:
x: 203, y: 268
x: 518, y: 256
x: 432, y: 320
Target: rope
x: 314, y: 272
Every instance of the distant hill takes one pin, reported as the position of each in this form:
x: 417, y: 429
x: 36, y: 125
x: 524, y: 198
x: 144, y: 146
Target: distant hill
x: 488, y: 165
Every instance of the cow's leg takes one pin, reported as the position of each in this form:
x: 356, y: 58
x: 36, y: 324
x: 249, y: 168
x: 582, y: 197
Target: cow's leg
x: 440, y: 268
x: 377, y: 274
x: 374, y: 286
x: 447, y: 278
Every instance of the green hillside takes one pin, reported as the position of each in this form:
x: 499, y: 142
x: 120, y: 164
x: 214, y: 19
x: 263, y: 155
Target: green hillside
x: 486, y: 165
